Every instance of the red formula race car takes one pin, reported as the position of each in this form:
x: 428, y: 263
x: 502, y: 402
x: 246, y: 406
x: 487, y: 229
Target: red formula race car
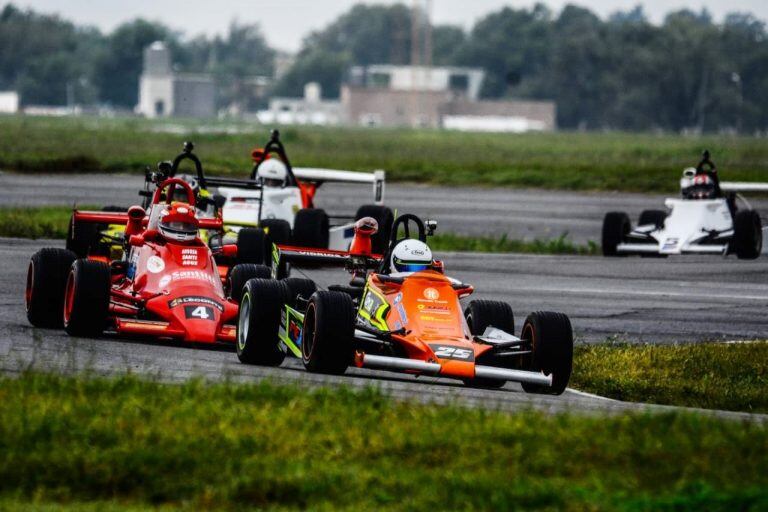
x: 169, y: 283
x: 400, y: 312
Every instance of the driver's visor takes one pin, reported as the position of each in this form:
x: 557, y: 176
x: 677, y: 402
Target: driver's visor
x: 411, y: 267
x: 179, y: 227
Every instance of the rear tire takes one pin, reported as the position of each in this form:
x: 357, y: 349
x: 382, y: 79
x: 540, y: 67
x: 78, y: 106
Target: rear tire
x: 616, y: 226
x: 278, y: 231
x: 329, y: 327
x: 241, y: 274
x: 747, y: 240
x: 46, y: 280
x: 86, y: 298
x: 481, y: 314
x: 81, y: 236
x: 259, y: 321
x: 551, y: 338
x: 310, y: 228
x: 250, y: 246
x: 385, y: 219
x: 655, y: 217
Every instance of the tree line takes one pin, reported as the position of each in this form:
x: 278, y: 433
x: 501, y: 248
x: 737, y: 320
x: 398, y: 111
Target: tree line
x: 624, y: 72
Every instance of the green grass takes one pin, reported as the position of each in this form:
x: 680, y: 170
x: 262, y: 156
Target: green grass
x: 52, y: 222
x: 576, y: 161
x: 79, y: 441
x: 730, y: 376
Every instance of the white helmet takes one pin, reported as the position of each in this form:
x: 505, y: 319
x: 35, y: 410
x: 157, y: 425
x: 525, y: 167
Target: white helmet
x: 411, y: 256
x: 273, y: 172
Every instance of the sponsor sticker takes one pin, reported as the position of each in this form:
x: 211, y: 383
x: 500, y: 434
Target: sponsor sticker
x: 164, y: 281
x: 431, y: 294
x: 189, y: 257
x: 155, y: 264
x: 195, y: 300
x: 197, y: 275
x: 449, y: 352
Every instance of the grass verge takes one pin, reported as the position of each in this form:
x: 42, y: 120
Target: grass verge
x: 574, y: 161
x: 131, y: 443
x: 732, y: 376
x: 52, y: 222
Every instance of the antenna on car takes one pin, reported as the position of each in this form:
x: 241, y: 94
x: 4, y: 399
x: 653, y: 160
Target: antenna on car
x: 188, y: 146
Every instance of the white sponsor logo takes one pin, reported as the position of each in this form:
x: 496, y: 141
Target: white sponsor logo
x: 431, y: 294
x: 164, y: 281
x: 183, y: 210
x: 198, y: 275
x: 189, y: 257
x: 155, y: 264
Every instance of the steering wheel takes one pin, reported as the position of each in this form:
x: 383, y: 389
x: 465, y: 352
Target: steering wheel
x: 173, y: 183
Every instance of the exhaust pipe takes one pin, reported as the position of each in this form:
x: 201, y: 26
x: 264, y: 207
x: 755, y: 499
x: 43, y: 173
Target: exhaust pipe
x: 484, y: 372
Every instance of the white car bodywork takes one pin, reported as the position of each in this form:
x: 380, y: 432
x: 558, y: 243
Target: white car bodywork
x: 703, y: 226
x: 688, y: 223
x: 243, y: 205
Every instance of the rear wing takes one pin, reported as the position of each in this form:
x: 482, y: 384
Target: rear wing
x: 743, y: 186
x: 301, y: 256
x: 319, y: 175
x: 121, y: 218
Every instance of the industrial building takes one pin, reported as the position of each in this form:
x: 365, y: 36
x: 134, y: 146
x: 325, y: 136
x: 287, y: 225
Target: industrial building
x: 165, y: 93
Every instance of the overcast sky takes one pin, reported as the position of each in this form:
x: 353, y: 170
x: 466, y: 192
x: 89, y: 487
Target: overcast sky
x: 285, y: 22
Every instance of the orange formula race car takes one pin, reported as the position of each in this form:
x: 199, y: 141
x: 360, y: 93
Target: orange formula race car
x: 399, y: 312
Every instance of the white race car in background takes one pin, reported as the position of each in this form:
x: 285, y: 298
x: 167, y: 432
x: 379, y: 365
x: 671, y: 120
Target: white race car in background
x: 705, y: 220
x: 286, y: 211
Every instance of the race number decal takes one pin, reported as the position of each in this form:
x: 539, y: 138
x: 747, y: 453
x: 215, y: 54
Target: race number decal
x: 448, y: 352
x: 198, y: 312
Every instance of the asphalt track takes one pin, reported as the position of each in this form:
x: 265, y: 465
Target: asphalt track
x: 732, y: 307
x: 685, y: 299
x: 520, y: 214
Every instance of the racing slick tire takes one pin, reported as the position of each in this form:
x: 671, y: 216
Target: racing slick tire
x: 616, y: 226
x: 481, y: 314
x: 310, y: 228
x: 747, y: 241
x: 46, y: 280
x: 81, y: 236
x: 385, y: 218
x: 655, y: 217
x: 251, y: 243
x: 329, y: 328
x: 298, y: 290
x: 277, y: 232
x: 86, y: 298
x: 551, y: 338
x: 241, y: 274
x: 258, y: 323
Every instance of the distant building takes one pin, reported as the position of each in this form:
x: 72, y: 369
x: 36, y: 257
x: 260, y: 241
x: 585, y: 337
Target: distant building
x: 9, y: 102
x: 310, y: 109
x: 436, y: 97
x: 164, y: 92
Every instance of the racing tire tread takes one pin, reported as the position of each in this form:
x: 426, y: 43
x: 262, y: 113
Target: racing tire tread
x: 552, y: 345
x: 260, y: 345
x: 90, y: 304
x: 46, y: 280
x: 329, y: 327
x: 241, y: 274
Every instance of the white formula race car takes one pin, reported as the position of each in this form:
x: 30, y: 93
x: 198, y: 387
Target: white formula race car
x: 706, y: 220
x: 279, y: 198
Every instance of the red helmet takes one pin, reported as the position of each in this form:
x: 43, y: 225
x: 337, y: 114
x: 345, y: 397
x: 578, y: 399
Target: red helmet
x: 178, y: 222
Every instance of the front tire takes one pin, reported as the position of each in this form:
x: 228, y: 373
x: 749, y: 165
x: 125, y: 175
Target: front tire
x: 327, y: 338
x: 616, y: 226
x: 241, y: 274
x: 86, y: 298
x: 481, y: 314
x: 747, y: 235
x: 551, y: 338
x: 259, y: 321
x: 46, y: 281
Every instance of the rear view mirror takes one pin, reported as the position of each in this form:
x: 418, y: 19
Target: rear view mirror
x: 431, y: 226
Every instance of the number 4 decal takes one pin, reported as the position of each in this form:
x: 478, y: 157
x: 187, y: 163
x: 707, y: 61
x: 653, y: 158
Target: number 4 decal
x: 198, y: 312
